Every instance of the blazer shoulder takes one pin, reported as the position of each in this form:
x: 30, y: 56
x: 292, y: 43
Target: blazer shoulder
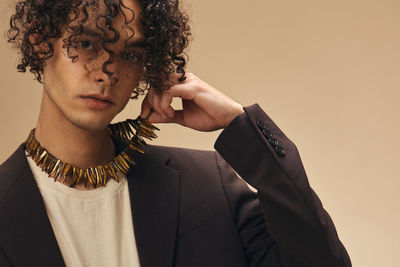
x: 11, y: 169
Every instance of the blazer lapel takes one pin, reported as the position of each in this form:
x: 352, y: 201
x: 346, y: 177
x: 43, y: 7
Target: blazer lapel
x: 154, y: 190
x: 27, y: 235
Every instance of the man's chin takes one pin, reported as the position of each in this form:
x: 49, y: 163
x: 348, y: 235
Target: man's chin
x: 92, y: 125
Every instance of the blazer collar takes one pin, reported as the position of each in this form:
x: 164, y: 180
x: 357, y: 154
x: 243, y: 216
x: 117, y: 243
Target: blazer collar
x: 29, y: 238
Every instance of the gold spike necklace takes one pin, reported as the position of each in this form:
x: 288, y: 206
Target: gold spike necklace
x: 95, y: 176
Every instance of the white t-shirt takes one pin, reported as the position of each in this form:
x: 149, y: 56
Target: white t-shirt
x: 92, y: 228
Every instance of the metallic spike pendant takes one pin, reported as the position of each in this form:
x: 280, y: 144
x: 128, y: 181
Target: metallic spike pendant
x: 129, y: 131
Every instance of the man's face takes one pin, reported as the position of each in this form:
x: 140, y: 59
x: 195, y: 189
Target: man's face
x: 80, y: 92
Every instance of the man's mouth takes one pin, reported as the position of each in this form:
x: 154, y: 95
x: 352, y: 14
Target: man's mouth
x: 98, y: 102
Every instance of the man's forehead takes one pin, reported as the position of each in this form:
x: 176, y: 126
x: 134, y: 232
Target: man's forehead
x: 102, y: 5
x: 95, y: 17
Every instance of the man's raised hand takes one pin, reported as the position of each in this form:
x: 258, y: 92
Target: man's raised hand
x: 203, y: 107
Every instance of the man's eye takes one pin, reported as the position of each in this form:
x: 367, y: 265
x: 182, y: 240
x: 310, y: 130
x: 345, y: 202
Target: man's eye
x: 132, y: 57
x: 85, y: 44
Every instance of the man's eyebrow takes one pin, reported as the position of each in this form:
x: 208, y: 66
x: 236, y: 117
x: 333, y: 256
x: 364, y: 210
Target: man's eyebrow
x: 87, y: 31
x: 140, y: 42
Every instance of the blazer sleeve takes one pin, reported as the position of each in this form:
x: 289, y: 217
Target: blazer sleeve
x: 294, y: 229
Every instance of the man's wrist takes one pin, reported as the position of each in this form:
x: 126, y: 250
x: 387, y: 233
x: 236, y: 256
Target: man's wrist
x: 236, y: 112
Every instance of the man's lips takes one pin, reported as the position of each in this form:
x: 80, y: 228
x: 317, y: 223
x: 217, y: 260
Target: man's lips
x: 99, y: 97
x: 98, y: 102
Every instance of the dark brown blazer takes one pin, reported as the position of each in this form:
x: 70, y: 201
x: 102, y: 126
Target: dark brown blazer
x: 190, y: 208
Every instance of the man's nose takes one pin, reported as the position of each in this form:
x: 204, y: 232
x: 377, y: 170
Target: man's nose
x: 106, y: 74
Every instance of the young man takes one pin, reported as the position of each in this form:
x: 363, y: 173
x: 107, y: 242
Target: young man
x: 80, y: 192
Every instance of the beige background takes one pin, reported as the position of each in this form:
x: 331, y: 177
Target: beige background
x: 326, y: 71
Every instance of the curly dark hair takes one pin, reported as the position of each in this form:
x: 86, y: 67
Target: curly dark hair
x: 167, y: 34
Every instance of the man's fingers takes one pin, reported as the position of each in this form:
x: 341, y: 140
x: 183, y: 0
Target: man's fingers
x: 157, y: 117
x: 178, y: 118
x: 146, y: 107
x: 161, y: 103
x: 148, y: 104
x: 184, y: 91
x: 165, y: 104
x: 175, y: 77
